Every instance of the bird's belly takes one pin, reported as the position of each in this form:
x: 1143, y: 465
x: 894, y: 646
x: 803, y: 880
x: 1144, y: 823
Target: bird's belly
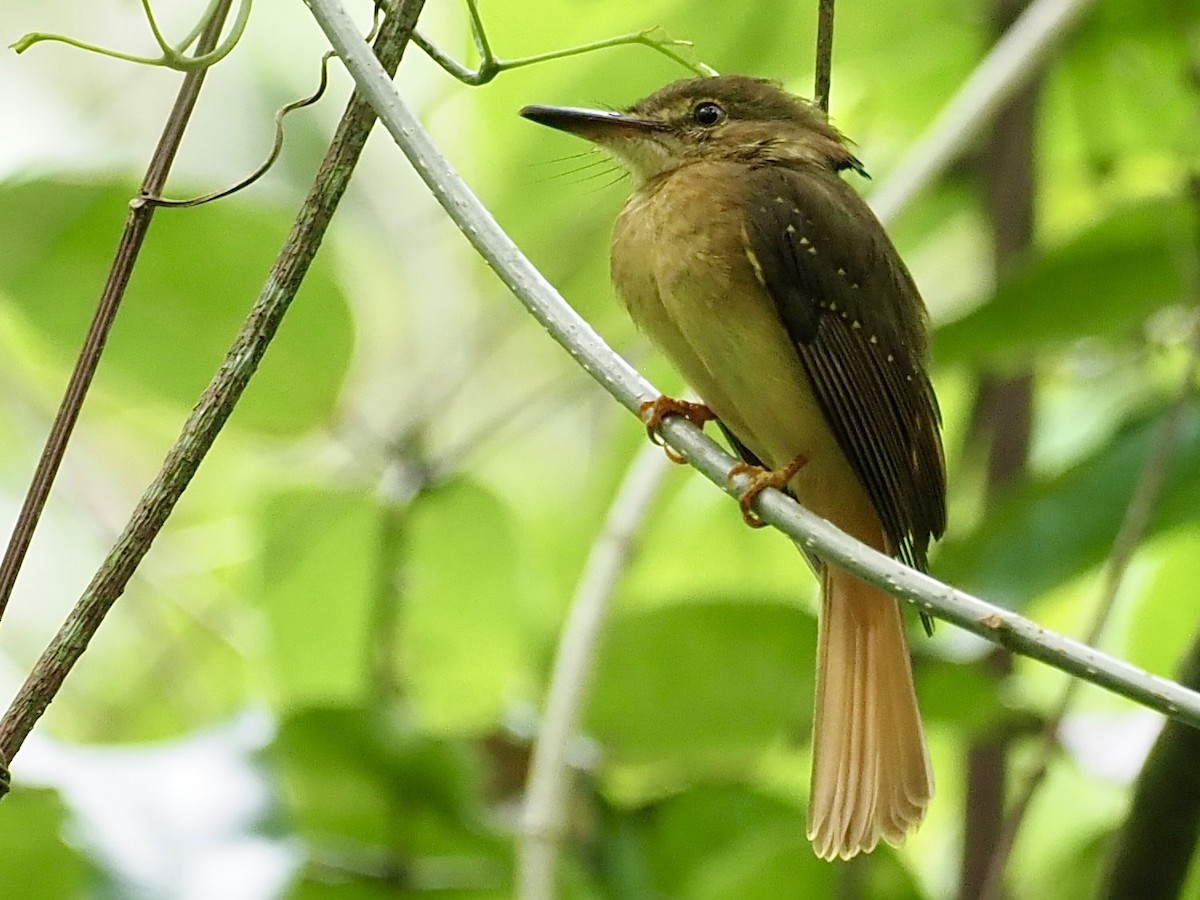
x: 706, y: 310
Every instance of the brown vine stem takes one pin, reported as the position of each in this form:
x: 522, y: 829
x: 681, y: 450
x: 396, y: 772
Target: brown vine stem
x: 215, y: 404
x: 824, y: 64
x: 136, y: 226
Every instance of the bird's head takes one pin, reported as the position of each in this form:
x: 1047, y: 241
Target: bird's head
x: 727, y: 117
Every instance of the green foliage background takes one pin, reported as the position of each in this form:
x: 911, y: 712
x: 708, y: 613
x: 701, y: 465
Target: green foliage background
x: 379, y: 553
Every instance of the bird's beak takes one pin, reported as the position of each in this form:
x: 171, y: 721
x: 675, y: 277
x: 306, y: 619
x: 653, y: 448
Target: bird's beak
x: 592, y: 124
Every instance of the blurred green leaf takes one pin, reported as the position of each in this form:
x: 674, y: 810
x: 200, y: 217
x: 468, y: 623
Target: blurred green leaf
x: 351, y: 773
x: 757, y: 866
x: 198, y: 274
x: 1102, y: 283
x: 320, y: 552
x: 960, y: 695
x: 463, y: 638
x: 384, y: 811
x: 35, y: 857
x: 716, y: 842
x: 1053, y: 529
x: 702, y: 679
x: 687, y: 830
x: 1161, y: 627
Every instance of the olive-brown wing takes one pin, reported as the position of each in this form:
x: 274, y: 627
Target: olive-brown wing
x: 858, y: 325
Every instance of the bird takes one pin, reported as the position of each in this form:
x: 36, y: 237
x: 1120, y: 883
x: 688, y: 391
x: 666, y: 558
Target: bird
x: 768, y: 282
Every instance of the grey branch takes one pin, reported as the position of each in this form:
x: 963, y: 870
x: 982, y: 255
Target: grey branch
x: 993, y: 623
x: 549, y: 773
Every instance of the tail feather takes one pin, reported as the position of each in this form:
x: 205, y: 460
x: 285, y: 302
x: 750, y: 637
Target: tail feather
x: 871, y: 777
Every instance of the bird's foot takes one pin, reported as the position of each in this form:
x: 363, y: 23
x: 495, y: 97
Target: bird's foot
x: 653, y: 412
x: 760, y: 480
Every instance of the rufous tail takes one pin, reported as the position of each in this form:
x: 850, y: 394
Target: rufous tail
x: 871, y: 777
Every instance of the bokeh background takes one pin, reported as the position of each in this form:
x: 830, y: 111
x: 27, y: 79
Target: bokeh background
x: 325, y: 678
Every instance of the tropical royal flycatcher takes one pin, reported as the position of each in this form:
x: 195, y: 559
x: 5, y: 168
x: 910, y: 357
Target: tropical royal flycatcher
x: 777, y: 294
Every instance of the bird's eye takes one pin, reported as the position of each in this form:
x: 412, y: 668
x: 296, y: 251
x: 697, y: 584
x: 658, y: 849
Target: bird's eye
x: 708, y: 114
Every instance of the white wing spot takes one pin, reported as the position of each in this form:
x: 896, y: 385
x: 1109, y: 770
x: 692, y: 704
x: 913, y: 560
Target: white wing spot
x: 754, y: 263
x: 857, y: 324
x: 812, y: 250
x: 874, y: 340
x: 791, y: 229
x: 841, y: 271
x: 854, y: 287
x: 891, y: 358
x: 803, y: 241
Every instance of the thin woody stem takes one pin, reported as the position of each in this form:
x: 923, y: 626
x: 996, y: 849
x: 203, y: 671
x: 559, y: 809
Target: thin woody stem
x: 173, y: 57
x: 824, y: 65
x: 1137, y: 519
x: 137, y: 224
x: 491, y: 65
x: 543, y: 817
x: 216, y: 404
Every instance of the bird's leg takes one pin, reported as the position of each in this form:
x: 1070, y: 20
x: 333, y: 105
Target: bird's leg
x: 760, y: 480
x: 654, y: 411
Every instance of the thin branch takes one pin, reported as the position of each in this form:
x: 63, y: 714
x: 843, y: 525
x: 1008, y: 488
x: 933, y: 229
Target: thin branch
x: 217, y: 402
x: 1155, y: 845
x: 266, y: 164
x: 188, y: 39
x: 491, y: 65
x: 824, y: 54
x: 1136, y: 521
x: 1012, y: 61
x: 993, y: 623
x: 1133, y: 527
x: 137, y: 224
x: 543, y: 819
x: 173, y: 57
x: 384, y: 668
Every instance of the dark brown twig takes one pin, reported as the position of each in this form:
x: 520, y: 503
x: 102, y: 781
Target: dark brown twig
x: 1004, y: 425
x: 1133, y: 528
x: 824, y: 54
x: 136, y: 226
x: 264, y: 166
x: 214, y: 406
x: 276, y: 147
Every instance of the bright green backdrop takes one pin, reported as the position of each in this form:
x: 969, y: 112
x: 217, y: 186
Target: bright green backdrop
x: 395, y: 632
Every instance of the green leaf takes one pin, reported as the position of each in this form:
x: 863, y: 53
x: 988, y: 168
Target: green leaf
x: 463, y: 643
x: 697, y: 680
x: 320, y: 553
x: 35, y: 856
x: 198, y: 274
x: 1102, y: 283
x: 352, y: 774
x: 1161, y: 627
x: 761, y: 866
x: 1053, y: 529
x: 960, y: 695
x: 686, y: 831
